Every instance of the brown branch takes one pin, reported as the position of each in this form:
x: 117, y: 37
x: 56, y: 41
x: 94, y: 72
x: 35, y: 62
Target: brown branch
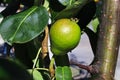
x: 90, y: 68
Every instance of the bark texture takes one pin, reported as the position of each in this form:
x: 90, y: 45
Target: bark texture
x: 108, y: 41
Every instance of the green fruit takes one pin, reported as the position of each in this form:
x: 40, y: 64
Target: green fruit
x: 64, y: 36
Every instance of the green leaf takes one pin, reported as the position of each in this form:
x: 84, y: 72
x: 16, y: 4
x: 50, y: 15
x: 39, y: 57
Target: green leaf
x: 66, y: 2
x: 70, y: 10
x: 36, y: 74
x: 4, y: 74
x: 46, y: 4
x: 10, y: 70
x: 46, y: 75
x: 63, y: 73
x: 95, y: 24
x: 24, y: 26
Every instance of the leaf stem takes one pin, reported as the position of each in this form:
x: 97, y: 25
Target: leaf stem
x: 36, y: 59
x: 45, y: 69
x: 70, y: 2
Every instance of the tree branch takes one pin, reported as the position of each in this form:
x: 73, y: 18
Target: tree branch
x: 108, y: 41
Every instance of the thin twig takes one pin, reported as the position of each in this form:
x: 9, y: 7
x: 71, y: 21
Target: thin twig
x: 36, y: 59
x: 45, y: 69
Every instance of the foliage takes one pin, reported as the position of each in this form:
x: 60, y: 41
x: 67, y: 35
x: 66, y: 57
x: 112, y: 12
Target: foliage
x: 30, y: 23
x: 63, y: 73
x: 24, y: 29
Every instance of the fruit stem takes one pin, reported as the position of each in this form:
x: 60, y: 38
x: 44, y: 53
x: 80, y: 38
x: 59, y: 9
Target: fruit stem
x: 76, y: 20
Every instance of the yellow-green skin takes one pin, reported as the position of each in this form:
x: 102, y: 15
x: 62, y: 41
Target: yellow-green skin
x: 64, y: 36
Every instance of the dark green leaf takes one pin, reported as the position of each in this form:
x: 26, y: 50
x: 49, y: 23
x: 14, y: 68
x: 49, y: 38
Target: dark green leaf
x: 71, y: 10
x: 10, y: 70
x: 46, y: 75
x: 24, y: 26
x: 63, y: 73
x: 36, y: 74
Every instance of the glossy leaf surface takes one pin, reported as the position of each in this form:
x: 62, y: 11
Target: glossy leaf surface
x: 66, y: 2
x: 63, y: 73
x: 71, y: 10
x: 24, y: 26
x: 36, y: 74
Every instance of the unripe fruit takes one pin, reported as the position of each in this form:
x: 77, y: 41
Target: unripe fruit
x: 64, y: 36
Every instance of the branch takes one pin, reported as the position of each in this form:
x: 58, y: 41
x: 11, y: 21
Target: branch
x: 108, y: 40
x: 91, y: 69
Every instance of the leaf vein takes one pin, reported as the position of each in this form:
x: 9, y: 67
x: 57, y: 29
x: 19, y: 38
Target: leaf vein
x: 22, y: 22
